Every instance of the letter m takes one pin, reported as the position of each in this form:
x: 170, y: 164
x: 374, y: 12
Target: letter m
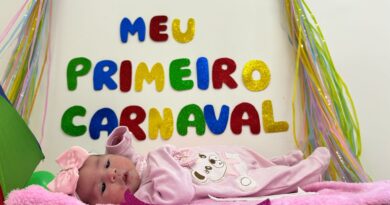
x: 127, y: 27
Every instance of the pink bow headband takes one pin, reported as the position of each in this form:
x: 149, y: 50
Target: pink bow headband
x: 70, y: 162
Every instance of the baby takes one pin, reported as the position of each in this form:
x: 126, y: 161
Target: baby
x: 170, y: 175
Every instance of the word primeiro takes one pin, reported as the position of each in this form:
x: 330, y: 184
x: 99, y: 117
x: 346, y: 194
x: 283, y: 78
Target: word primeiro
x: 179, y: 71
x: 191, y: 115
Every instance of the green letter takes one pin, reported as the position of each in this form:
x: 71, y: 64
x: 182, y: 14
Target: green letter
x: 183, y: 121
x: 67, y: 121
x: 176, y: 74
x: 72, y: 71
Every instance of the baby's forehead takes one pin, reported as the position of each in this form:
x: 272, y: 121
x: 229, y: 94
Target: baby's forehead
x: 93, y: 160
x: 97, y: 155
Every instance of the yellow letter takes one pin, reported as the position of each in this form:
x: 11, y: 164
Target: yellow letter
x: 157, y: 123
x: 143, y: 73
x: 268, y: 119
x: 183, y: 37
x: 247, y: 78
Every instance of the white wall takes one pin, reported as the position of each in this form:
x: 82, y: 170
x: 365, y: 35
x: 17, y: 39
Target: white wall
x: 357, y: 33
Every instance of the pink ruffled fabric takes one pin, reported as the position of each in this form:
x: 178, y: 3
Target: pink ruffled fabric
x: 35, y: 194
x: 185, y: 157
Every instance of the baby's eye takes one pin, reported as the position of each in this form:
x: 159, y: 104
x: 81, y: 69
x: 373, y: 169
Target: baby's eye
x: 202, y: 156
x: 103, y: 187
x: 108, y: 163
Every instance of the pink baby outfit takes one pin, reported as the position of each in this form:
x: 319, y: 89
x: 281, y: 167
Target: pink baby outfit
x: 170, y: 175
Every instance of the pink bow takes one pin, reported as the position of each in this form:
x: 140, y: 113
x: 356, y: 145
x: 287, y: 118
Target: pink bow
x: 70, y: 161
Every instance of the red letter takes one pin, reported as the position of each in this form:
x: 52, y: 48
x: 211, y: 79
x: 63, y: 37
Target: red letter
x: 156, y: 26
x: 133, y: 124
x: 125, y: 76
x: 221, y: 75
x: 237, y: 120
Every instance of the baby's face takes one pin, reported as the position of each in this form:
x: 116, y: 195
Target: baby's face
x: 105, y: 178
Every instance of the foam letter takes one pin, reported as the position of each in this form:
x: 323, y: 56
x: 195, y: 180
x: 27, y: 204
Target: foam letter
x: 202, y: 69
x: 237, y: 121
x: 268, y: 119
x: 183, y: 121
x: 156, y: 74
x: 67, y: 121
x: 156, y: 26
x: 183, y: 37
x: 247, y: 75
x: 133, y: 124
x: 127, y: 27
x: 102, y: 77
x: 72, y: 72
x: 96, y: 125
x: 125, y: 76
x: 177, y: 73
x: 216, y: 126
x: 156, y: 123
x: 221, y: 75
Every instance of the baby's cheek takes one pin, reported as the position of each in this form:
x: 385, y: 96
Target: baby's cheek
x: 116, y: 193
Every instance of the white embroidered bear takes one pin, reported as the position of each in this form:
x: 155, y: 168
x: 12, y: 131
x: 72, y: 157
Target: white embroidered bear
x: 208, y: 167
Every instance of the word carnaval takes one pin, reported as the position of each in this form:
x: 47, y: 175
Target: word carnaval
x: 192, y: 115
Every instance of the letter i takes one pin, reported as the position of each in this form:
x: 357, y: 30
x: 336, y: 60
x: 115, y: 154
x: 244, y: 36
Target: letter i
x: 202, y: 69
x: 125, y: 76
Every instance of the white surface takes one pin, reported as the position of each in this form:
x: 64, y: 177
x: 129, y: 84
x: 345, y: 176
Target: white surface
x: 356, y: 31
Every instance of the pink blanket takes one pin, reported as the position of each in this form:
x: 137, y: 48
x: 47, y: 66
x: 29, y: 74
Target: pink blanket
x: 329, y: 193
x: 38, y: 195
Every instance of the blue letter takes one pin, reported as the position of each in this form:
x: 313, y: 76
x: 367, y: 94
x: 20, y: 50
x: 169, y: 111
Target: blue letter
x: 101, y: 77
x: 202, y: 69
x: 216, y: 126
x: 127, y: 27
x: 96, y: 125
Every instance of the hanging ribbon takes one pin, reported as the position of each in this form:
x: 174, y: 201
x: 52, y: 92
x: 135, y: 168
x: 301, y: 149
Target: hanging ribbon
x: 31, y: 39
x: 329, y: 116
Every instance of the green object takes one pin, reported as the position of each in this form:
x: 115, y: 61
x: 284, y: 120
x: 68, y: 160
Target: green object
x: 41, y: 178
x: 183, y: 120
x: 20, y: 152
x: 67, y: 121
x: 177, y: 72
x: 74, y: 71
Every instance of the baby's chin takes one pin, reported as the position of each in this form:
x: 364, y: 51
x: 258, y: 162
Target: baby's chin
x: 133, y: 181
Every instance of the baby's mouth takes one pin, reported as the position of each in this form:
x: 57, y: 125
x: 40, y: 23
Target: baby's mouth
x: 125, y: 177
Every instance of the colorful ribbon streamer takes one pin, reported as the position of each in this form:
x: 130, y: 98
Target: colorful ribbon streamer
x: 329, y: 116
x: 26, y: 66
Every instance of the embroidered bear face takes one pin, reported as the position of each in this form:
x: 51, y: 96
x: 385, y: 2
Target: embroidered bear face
x: 208, y: 167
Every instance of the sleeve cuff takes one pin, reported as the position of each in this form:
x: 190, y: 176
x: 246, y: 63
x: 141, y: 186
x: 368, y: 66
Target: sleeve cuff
x: 118, y: 141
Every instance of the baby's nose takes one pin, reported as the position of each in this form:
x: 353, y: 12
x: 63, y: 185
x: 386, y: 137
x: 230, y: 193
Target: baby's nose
x: 113, y: 175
